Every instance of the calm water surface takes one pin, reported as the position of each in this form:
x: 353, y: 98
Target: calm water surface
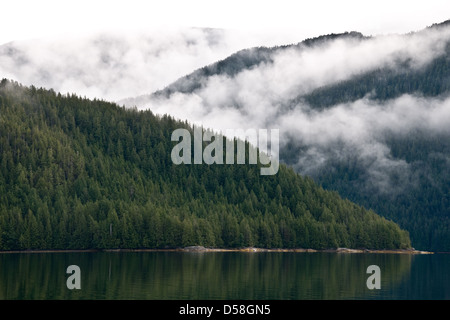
x: 231, y: 275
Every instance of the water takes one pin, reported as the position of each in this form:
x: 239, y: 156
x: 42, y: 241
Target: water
x: 223, y: 275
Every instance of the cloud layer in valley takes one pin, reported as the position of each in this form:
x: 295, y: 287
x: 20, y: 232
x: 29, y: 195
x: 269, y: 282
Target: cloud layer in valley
x: 114, y: 66
x: 259, y: 98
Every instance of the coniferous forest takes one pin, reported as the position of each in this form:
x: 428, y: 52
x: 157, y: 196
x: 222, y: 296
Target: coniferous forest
x: 82, y: 174
x: 422, y: 204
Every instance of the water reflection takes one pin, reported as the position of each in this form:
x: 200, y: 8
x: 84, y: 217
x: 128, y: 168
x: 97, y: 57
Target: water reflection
x: 230, y: 275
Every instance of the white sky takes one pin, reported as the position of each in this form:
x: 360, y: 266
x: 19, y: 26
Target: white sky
x: 289, y: 20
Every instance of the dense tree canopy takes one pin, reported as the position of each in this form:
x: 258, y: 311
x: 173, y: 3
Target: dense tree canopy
x: 78, y: 173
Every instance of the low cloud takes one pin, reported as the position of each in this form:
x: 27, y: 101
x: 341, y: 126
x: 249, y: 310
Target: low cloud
x: 114, y: 66
x: 258, y: 98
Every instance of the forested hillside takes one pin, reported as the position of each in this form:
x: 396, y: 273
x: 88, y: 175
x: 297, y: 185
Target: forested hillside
x: 367, y: 117
x: 78, y: 173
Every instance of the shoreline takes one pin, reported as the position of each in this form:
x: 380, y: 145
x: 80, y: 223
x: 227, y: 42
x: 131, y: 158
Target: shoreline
x: 200, y: 249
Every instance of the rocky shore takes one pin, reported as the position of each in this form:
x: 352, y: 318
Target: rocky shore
x: 337, y: 250
x: 247, y: 249
x: 253, y: 249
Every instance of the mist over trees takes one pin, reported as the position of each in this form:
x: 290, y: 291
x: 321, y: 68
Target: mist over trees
x: 78, y: 174
x: 367, y: 117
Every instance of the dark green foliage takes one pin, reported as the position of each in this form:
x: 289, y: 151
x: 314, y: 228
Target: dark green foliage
x: 77, y: 174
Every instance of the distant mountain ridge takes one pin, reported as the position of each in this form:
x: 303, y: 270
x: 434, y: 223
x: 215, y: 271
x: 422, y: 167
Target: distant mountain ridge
x: 248, y: 58
x: 232, y: 65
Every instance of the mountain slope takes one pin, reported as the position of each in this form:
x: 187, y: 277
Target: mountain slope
x: 78, y: 173
x: 368, y: 117
x: 433, y: 80
x: 240, y: 61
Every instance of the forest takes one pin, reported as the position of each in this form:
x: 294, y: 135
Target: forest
x: 82, y: 174
x: 423, y: 207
